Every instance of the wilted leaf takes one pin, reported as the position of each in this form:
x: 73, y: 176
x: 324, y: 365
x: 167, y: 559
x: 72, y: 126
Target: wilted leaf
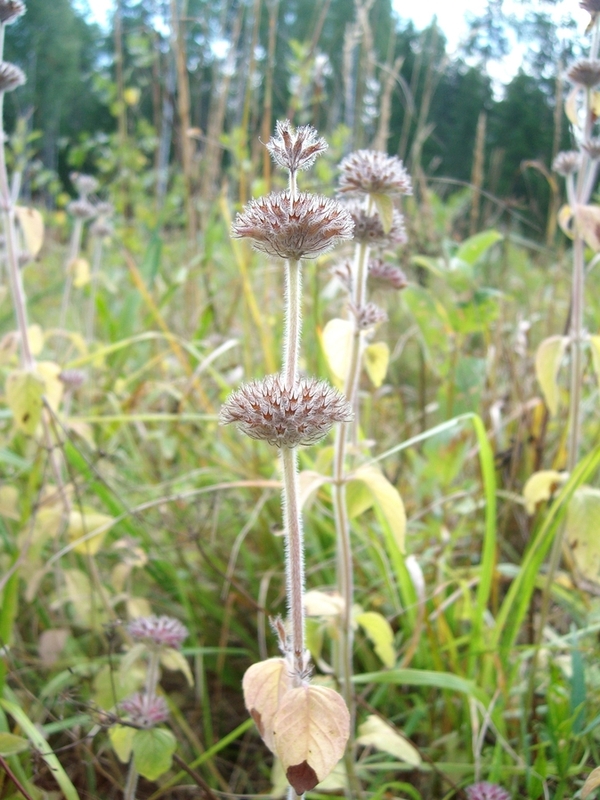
x: 337, y: 344
x: 53, y: 387
x: 540, y: 487
x: 374, y: 732
x: 323, y: 604
x: 121, y: 738
x: 310, y: 731
x: 547, y: 363
x: 31, y: 223
x: 175, y: 660
x: 310, y: 482
x: 10, y: 744
x: 380, y: 632
x: 385, y: 209
x: 81, y: 272
x: 80, y: 526
x: 588, y: 223
x: 583, y: 531
x: 376, y: 359
x: 595, y: 346
x: 592, y: 782
x: 153, y: 752
x: 387, y: 498
x: 264, y: 685
x: 9, y: 500
x: 24, y: 392
x: 35, y: 335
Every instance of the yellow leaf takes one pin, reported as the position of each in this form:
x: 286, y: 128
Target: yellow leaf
x: 175, y: 660
x: 337, y: 344
x: 572, y: 106
x: 88, y: 609
x: 81, y: 272
x: 121, y: 738
x: 547, y: 363
x: 387, y: 498
x: 588, y: 223
x: 582, y: 531
x: 385, y: 209
x: 35, y: 334
x: 310, y: 482
x: 595, y: 345
x: 131, y: 95
x: 53, y: 387
x: 136, y: 606
x: 323, y: 604
x: 24, y: 392
x: 375, y: 732
x: 540, y: 486
x: 82, y: 530
x: 264, y: 685
x: 376, y: 359
x: 592, y: 782
x: 9, y: 499
x: 310, y: 731
x: 31, y: 223
x: 380, y: 632
x: 565, y: 220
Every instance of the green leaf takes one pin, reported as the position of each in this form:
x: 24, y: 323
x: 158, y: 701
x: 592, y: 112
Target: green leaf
x: 474, y: 247
x: 153, y: 752
x: 24, y: 392
x: 121, y: 738
x: 432, y: 319
x: 380, y: 632
x: 385, y: 209
x: 376, y: 359
x: 547, y: 363
x: 424, y: 677
x: 387, y: 498
x: 10, y: 744
x: 581, y: 531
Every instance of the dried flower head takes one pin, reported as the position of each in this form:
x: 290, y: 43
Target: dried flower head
x: 72, y: 378
x: 85, y: 184
x: 81, y: 208
x: 487, y: 791
x: 566, y: 162
x: 370, y: 229
x: 295, y: 149
x: 592, y: 148
x: 585, y: 72
x: 10, y: 76
x: 104, y: 209
x: 101, y: 228
x: 145, y: 710
x: 305, y: 227
x: 369, y: 315
x: 10, y: 11
x: 343, y: 271
x: 387, y: 275
x: 373, y: 172
x: 162, y: 631
x: 286, y: 416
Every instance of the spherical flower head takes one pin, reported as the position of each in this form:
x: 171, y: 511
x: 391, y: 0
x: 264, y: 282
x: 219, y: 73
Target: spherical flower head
x: 305, y: 227
x: 10, y: 11
x: 144, y: 710
x: 585, y: 72
x: 386, y: 275
x: 101, y: 228
x: 369, y: 315
x: 82, y: 209
x: 11, y: 77
x: 160, y: 631
x: 286, y: 416
x: 72, y: 378
x: 295, y: 149
x: 567, y: 162
x: 487, y: 791
x: 592, y: 148
x: 373, y: 172
x: 85, y: 184
x: 369, y: 228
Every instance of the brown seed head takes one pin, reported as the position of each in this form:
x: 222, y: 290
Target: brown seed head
x: 295, y: 149
x: 145, y: 710
x: 387, y: 275
x: 369, y: 229
x: 585, y: 72
x: 286, y: 416
x: 306, y: 227
x: 11, y: 76
x: 369, y: 315
x: 566, y: 162
x: 81, y: 208
x: 373, y: 172
x: 10, y: 11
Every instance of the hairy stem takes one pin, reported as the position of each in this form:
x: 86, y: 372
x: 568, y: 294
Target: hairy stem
x: 294, y: 557
x: 132, y: 781
x: 293, y: 321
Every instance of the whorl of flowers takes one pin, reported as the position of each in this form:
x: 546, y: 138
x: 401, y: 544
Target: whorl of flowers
x: 82, y: 208
x: 592, y: 148
x: 11, y: 76
x: 567, y: 162
x: 295, y: 149
x: 286, y: 416
x: 10, y: 11
x: 386, y: 275
x: 369, y: 315
x: 585, y: 72
x: 145, y: 710
x: 369, y: 228
x: 487, y: 791
x: 72, y: 378
x: 373, y: 172
x: 85, y: 184
x: 305, y: 227
x: 161, y: 631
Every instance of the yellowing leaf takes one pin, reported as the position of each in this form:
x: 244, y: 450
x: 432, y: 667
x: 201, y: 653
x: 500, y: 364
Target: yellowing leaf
x: 592, y: 782
x: 82, y: 527
x: 387, y: 498
x: 380, y: 632
x: 175, y: 660
x: 53, y: 387
x: 131, y: 96
x: 31, y: 223
x: 24, y: 392
x: 81, y: 272
x: 153, y: 752
x: 323, y: 604
x: 565, y: 220
x: 540, y: 486
x: 337, y: 344
x: 588, y: 223
x: 310, y: 731
x: 310, y: 482
x: 572, y: 106
x: 376, y: 358
x: 264, y: 684
x: 547, y: 363
x: 121, y: 738
x: 595, y: 346
x: 136, y: 606
x: 582, y: 531
x: 10, y: 744
x: 385, y: 209
x: 374, y: 732
x: 35, y: 334
x: 9, y: 499
x: 88, y: 609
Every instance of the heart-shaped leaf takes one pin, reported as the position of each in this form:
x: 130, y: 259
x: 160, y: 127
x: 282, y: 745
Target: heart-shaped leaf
x: 264, y: 685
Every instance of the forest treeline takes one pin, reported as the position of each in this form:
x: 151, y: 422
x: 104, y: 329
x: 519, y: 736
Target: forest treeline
x: 195, y: 84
